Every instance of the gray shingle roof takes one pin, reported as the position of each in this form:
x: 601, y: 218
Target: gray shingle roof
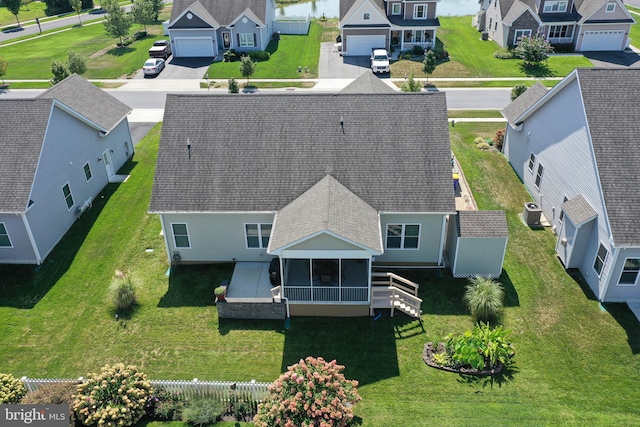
x: 330, y: 207
x: 521, y: 104
x: 200, y: 11
x: 223, y: 11
x: 24, y: 123
x: 367, y: 83
x: 610, y: 99
x: 578, y: 210
x: 346, y: 5
x: 88, y: 100
x: 516, y: 9
x: 257, y: 153
x: 482, y: 224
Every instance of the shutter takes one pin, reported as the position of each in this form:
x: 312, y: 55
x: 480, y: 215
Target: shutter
x: 238, y: 37
x: 255, y: 43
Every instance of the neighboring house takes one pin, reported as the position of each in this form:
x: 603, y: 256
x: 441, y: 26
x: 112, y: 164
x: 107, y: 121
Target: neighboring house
x: 590, y: 25
x: 575, y: 148
x: 401, y: 24
x: 206, y: 28
x: 59, y: 150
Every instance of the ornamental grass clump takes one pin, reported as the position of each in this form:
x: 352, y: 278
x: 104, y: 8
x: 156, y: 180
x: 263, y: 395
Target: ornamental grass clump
x: 11, y: 389
x: 122, y: 291
x: 484, y: 297
x: 312, y: 393
x: 114, y: 397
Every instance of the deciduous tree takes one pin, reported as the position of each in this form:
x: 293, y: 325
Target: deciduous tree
x: 13, y: 6
x: 533, y: 50
x: 517, y: 91
x: 429, y: 63
x: 143, y: 12
x: 117, y: 23
x: 3, y: 68
x: 247, y: 67
x: 77, y: 6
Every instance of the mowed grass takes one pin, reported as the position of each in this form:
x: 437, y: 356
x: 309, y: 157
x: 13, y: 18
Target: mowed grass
x: 575, y: 364
x: 472, y: 57
x: 28, y: 12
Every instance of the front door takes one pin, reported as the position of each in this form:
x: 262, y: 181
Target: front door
x: 226, y: 40
x: 106, y: 159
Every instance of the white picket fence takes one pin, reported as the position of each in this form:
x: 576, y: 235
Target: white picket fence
x: 221, y: 390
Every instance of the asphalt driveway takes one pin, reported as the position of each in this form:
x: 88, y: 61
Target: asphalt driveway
x: 334, y: 66
x: 625, y: 59
x: 181, y: 68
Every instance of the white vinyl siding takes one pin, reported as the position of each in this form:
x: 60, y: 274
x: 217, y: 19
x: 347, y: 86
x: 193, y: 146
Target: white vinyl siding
x: 601, y: 257
x: 257, y: 235
x: 403, y: 236
x: 5, y: 240
x: 630, y: 270
x: 68, y: 197
x: 180, y: 235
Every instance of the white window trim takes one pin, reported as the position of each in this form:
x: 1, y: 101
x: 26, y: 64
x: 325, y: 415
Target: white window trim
x: 613, y: 8
x: 175, y: 244
x: 415, y: 11
x: 548, y: 6
x: 246, y: 43
x: 622, y: 272
x: 85, y: 172
x: 567, y: 36
x: 599, y: 274
x: 402, y: 236
x: 531, y: 163
x: 70, y: 195
x: 539, y: 173
x: 246, y: 240
x: 366, y: 16
x: 519, y: 33
x: 393, y: 9
x: 562, y: 212
x: 6, y: 234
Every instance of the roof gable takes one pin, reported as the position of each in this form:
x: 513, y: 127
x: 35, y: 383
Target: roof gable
x: 587, y: 8
x: 200, y: 18
x: 250, y: 15
x: 487, y: 224
x: 517, y: 9
x: 524, y: 102
x: 367, y: 83
x: 224, y: 12
x: 578, y: 210
x: 351, y: 9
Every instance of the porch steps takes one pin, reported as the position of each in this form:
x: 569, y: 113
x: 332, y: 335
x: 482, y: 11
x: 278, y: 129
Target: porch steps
x: 395, y: 299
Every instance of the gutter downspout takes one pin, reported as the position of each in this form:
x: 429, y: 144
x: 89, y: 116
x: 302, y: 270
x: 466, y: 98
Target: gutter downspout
x: 32, y: 240
x: 166, y: 242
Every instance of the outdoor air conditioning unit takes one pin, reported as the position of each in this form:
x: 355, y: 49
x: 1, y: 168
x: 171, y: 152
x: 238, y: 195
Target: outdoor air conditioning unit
x: 531, y: 213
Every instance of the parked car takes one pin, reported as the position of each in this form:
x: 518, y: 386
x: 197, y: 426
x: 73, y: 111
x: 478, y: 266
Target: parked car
x: 153, y: 66
x: 160, y: 49
x: 379, y: 61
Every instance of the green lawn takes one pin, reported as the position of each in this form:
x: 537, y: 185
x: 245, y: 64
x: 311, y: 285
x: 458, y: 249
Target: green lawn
x: 575, y: 364
x: 472, y: 57
x: 28, y: 12
x: 634, y: 35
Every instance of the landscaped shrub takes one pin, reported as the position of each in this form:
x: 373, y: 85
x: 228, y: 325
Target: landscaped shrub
x: 258, y: 55
x: 115, y: 397
x: 417, y: 50
x: 312, y: 392
x: 504, y: 53
x: 233, y: 86
x: 563, y: 47
x: 480, y: 348
x: 484, y: 297
x: 202, y: 412
x: 11, y: 389
x: 52, y: 394
x: 483, y: 146
x: 166, y: 405
x: 498, y: 139
x: 517, y: 91
x: 122, y: 291
x: 411, y: 85
x: 229, y: 55
x: 479, y: 140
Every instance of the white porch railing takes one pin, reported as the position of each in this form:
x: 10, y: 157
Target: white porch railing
x: 394, y: 298
x: 326, y: 293
x: 390, y: 279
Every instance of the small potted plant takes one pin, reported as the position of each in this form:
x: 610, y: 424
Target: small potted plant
x: 220, y: 292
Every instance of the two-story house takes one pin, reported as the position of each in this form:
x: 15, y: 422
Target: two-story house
x: 590, y: 25
x: 401, y: 24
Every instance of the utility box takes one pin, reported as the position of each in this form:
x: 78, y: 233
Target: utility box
x: 531, y: 213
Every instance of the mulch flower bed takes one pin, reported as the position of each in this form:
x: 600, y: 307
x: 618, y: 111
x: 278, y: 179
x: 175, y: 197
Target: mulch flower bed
x: 430, y: 350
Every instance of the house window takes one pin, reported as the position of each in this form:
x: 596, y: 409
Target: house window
x: 420, y: 11
x: 519, y: 34
x: 181, y: 235
x: 366, y: 16
x: 68, y: 197
x: 555, y: 6
x: 495, y: 26
x: 601, y: 257
x: 403, y: 236
x: 630, y: 271
x: 246, y: 40
x: 561, y: 216
x: 611, y: 7
x: 5, y: 241
x: 257, y: 235
x: 87, y: 171
x: 539, y: 176
x: 490, y: 22
x: 396, y: 9
x: 560, y: 31
x: 532, y: 161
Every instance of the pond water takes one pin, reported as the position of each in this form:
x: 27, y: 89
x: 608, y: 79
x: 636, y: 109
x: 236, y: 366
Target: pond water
x: 331, y: 8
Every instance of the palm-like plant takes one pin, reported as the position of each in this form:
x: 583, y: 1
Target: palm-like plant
x: 484, y: 297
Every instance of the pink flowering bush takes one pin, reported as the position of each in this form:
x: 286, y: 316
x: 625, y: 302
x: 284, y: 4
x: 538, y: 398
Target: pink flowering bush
x: 114, y: 397
x: 312, y: 393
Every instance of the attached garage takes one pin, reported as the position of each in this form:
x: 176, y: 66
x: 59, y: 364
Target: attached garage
x: 362, y: 45
x: 603, y: 40
x: 193, y: 47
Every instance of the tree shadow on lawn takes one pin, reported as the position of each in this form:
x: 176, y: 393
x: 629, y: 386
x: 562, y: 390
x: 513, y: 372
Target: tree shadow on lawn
x: 367, y: 349
x: 22, y: 286
x: 619, y: 311
x: 120, y: 51
x: 537, y: 70
x: 193, y: 285
x: 505, y: 377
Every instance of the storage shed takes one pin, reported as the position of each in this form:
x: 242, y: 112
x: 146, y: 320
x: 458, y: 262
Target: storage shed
x: 477, y: 242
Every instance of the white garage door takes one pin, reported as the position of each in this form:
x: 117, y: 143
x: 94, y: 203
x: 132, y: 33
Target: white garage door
x: 362, y: 45
x: 602, y: 40
x: 193, y: 47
